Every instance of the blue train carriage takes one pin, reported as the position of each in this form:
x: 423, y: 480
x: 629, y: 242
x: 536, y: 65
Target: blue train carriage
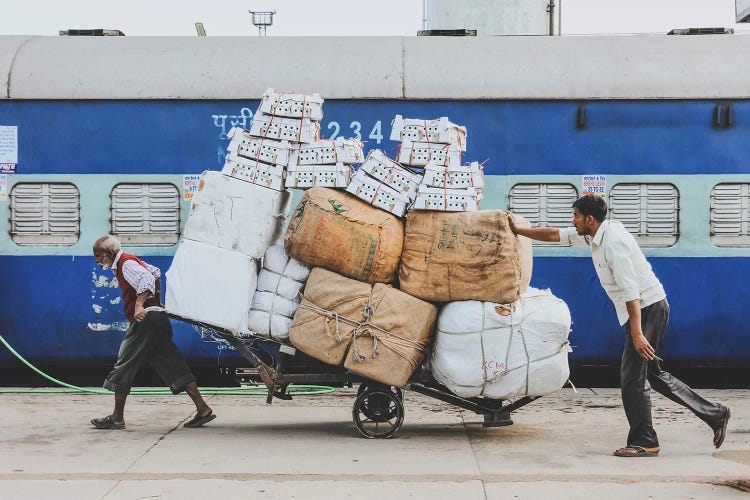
x: 102, y: 135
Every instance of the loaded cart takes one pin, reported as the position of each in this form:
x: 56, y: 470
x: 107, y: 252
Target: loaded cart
x: 378, y: 411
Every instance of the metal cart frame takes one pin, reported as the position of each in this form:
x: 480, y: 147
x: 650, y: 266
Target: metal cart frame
x: 378, y: 411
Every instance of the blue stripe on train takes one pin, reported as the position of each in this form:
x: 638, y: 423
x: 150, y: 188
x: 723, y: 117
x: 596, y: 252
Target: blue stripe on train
x: 52, y: 309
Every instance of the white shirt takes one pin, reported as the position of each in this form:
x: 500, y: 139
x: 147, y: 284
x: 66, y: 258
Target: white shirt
x: 140, y: 278
x: 623, y: 270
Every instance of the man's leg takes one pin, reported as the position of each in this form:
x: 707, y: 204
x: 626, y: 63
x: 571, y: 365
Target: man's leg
x: 119, y: 414
x: 201, y: 407
x: 635, y: 396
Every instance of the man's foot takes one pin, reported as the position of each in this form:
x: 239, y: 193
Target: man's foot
x: 198, y: 420
x: 720, y: 432
x: 107, y: 423
x: 636, y: 451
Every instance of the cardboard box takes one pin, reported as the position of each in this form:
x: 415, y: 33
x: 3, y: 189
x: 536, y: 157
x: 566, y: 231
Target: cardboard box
x: 291, y: 105
x: 308, y: 176
x: 446, y: 200
x: 265, y: 150
x: 291, y: 129
x: 462, y: 176
x: 378, y: 194
x: 390, y: 173
x: 262, y: 174
x: 440, y: 130
x: 328, y: 152
x: 419, y: 154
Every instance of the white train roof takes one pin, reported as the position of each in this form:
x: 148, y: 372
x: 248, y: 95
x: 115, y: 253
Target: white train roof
x: 522, y: 67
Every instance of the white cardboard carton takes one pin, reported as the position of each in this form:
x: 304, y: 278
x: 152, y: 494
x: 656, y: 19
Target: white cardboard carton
x: 440, y: 130
x: 446, y: 200
x: 290, y: 129
x: 503, y: 351
x: 328, y: 152
x: 257, y: 172
x: 378, y: 194
x: 307, y: 176
x: 211, y: 285
x: 265, y: 150
x: 419, y: 154
x: 387, y: 171
x: 292, y: 105
x: 461, y: 176
x: 236, y: 215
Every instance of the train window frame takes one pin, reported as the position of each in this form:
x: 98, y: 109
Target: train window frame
x: 655, y: 205
x: 725, y: 205
x: 123, y: 218
x: 51, y: 214
x: 561, y: 211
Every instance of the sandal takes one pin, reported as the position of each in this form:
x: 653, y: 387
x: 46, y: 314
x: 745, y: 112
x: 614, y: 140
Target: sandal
x: 721, y: 432
x: 636, y: 451
x: 198, y: 420
x: 107, y: 423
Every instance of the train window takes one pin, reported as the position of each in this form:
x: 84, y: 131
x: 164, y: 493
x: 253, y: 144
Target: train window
x: 544, y: 205
x: 146, y: 214
x: 45, y: 213
x: 649, y: 211
x: 730, y: 215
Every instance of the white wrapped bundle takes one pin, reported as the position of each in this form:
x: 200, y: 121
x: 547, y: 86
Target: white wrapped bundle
x: 261, y: 150
x: 328, y: 152
x: 290, y: 129
x: 378, y: 194
x: 390, y: 173
x: 308, y: 176
x: 440, y: 130
x: 462, y: 176
x: 419, y: 154
x: 447, y: 200
x: 503, y: 351
x: 278, y: 294
x: 257, y: 172
x: 292, y: 105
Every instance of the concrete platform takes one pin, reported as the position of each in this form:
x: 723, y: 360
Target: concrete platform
x: 559, y: 447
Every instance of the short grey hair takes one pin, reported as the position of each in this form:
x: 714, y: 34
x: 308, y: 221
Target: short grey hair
x: 107, y: 243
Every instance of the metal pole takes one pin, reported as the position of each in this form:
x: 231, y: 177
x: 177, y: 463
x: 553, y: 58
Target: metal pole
x: 559, y: 18
x: 424, y: 15
x: 551, y: 10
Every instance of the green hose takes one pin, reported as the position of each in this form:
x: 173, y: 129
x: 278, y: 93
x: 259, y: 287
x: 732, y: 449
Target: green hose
x: 297, y: 390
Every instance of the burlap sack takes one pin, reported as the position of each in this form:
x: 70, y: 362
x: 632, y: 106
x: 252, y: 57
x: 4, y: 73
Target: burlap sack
x: 385, y: 331
x: 527, y: 253
x: 333, y: 229
x: 450, y: 256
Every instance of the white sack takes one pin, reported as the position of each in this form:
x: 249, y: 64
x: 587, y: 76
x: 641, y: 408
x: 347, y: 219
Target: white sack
x: 211, y: 285
x: 503, y: 351
x: 237, y: 215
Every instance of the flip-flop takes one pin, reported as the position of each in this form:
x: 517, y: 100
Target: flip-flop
x: 107, y: 423
x: 636, y: 451
x: 721, y: 433
x: 198, y: 421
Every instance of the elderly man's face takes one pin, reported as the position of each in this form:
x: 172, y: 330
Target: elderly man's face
x: 103, y: 258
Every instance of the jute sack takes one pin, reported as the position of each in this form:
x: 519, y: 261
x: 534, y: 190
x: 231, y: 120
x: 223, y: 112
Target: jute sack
x: 376, y: 331
x: 526, y: 251
x: 333, y: 229
x: 450, y: 256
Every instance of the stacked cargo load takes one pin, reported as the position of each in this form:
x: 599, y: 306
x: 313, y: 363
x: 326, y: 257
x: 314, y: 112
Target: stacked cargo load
x: 503, y: 351
x: 324, y: 163
x: 385, y: 184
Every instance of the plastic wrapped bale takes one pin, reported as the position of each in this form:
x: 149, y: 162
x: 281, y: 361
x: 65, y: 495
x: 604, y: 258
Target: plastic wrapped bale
x: 335, y: 230
x: 451, y: 256
x: 376, y: 330
x: 236, y: 215
x: 503, y: 351
x: 278, y: 294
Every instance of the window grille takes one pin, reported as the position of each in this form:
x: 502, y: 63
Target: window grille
x: 649, y: 211
x: 145, y: 214
x: 730, y: 215
x: 544, y: 205
x: 45, y: 213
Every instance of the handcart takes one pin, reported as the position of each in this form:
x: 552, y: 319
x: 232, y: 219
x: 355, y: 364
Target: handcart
x: 378, y: 410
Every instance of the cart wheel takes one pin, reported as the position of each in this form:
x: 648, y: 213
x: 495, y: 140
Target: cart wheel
x: 368, y: 386
x: 378, y: 413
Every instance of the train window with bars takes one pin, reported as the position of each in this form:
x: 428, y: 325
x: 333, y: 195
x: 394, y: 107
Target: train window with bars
x: 47, y: 213
x: 730, y: 215
x: 145, y: 214
x: 544, y: 205
x: 651, y: 212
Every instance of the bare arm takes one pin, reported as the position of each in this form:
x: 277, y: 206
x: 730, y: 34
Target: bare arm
x: 551, y: 234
